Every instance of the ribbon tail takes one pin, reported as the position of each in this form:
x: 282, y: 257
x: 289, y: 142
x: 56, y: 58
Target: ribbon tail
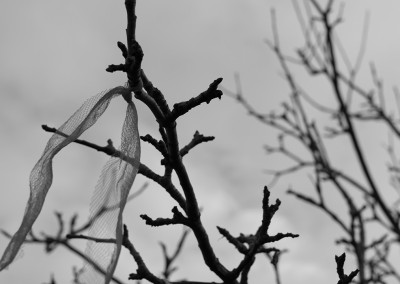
x: 42, y: 174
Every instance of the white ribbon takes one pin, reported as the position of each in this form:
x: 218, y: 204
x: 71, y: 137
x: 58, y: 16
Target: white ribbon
x: 112, y: 188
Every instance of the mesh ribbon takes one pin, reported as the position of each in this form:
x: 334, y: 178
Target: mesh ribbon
x: 111, y: 190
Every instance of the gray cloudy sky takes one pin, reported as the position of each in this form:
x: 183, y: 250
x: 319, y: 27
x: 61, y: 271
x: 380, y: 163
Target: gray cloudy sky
x: 52, y: 58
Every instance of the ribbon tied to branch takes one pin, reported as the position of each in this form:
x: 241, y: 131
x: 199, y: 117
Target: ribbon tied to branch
x: 111, y: 191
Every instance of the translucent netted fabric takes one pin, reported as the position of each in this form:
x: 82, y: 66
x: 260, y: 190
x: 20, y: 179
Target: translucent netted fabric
x: 111, y: 190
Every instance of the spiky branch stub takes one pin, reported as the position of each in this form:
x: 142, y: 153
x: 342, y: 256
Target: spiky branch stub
x: 344, y: 278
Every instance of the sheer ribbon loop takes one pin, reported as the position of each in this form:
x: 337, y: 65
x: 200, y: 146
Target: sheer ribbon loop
x: 111, y: 191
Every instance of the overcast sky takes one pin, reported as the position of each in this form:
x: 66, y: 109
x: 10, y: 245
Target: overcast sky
x: 53, y: 56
